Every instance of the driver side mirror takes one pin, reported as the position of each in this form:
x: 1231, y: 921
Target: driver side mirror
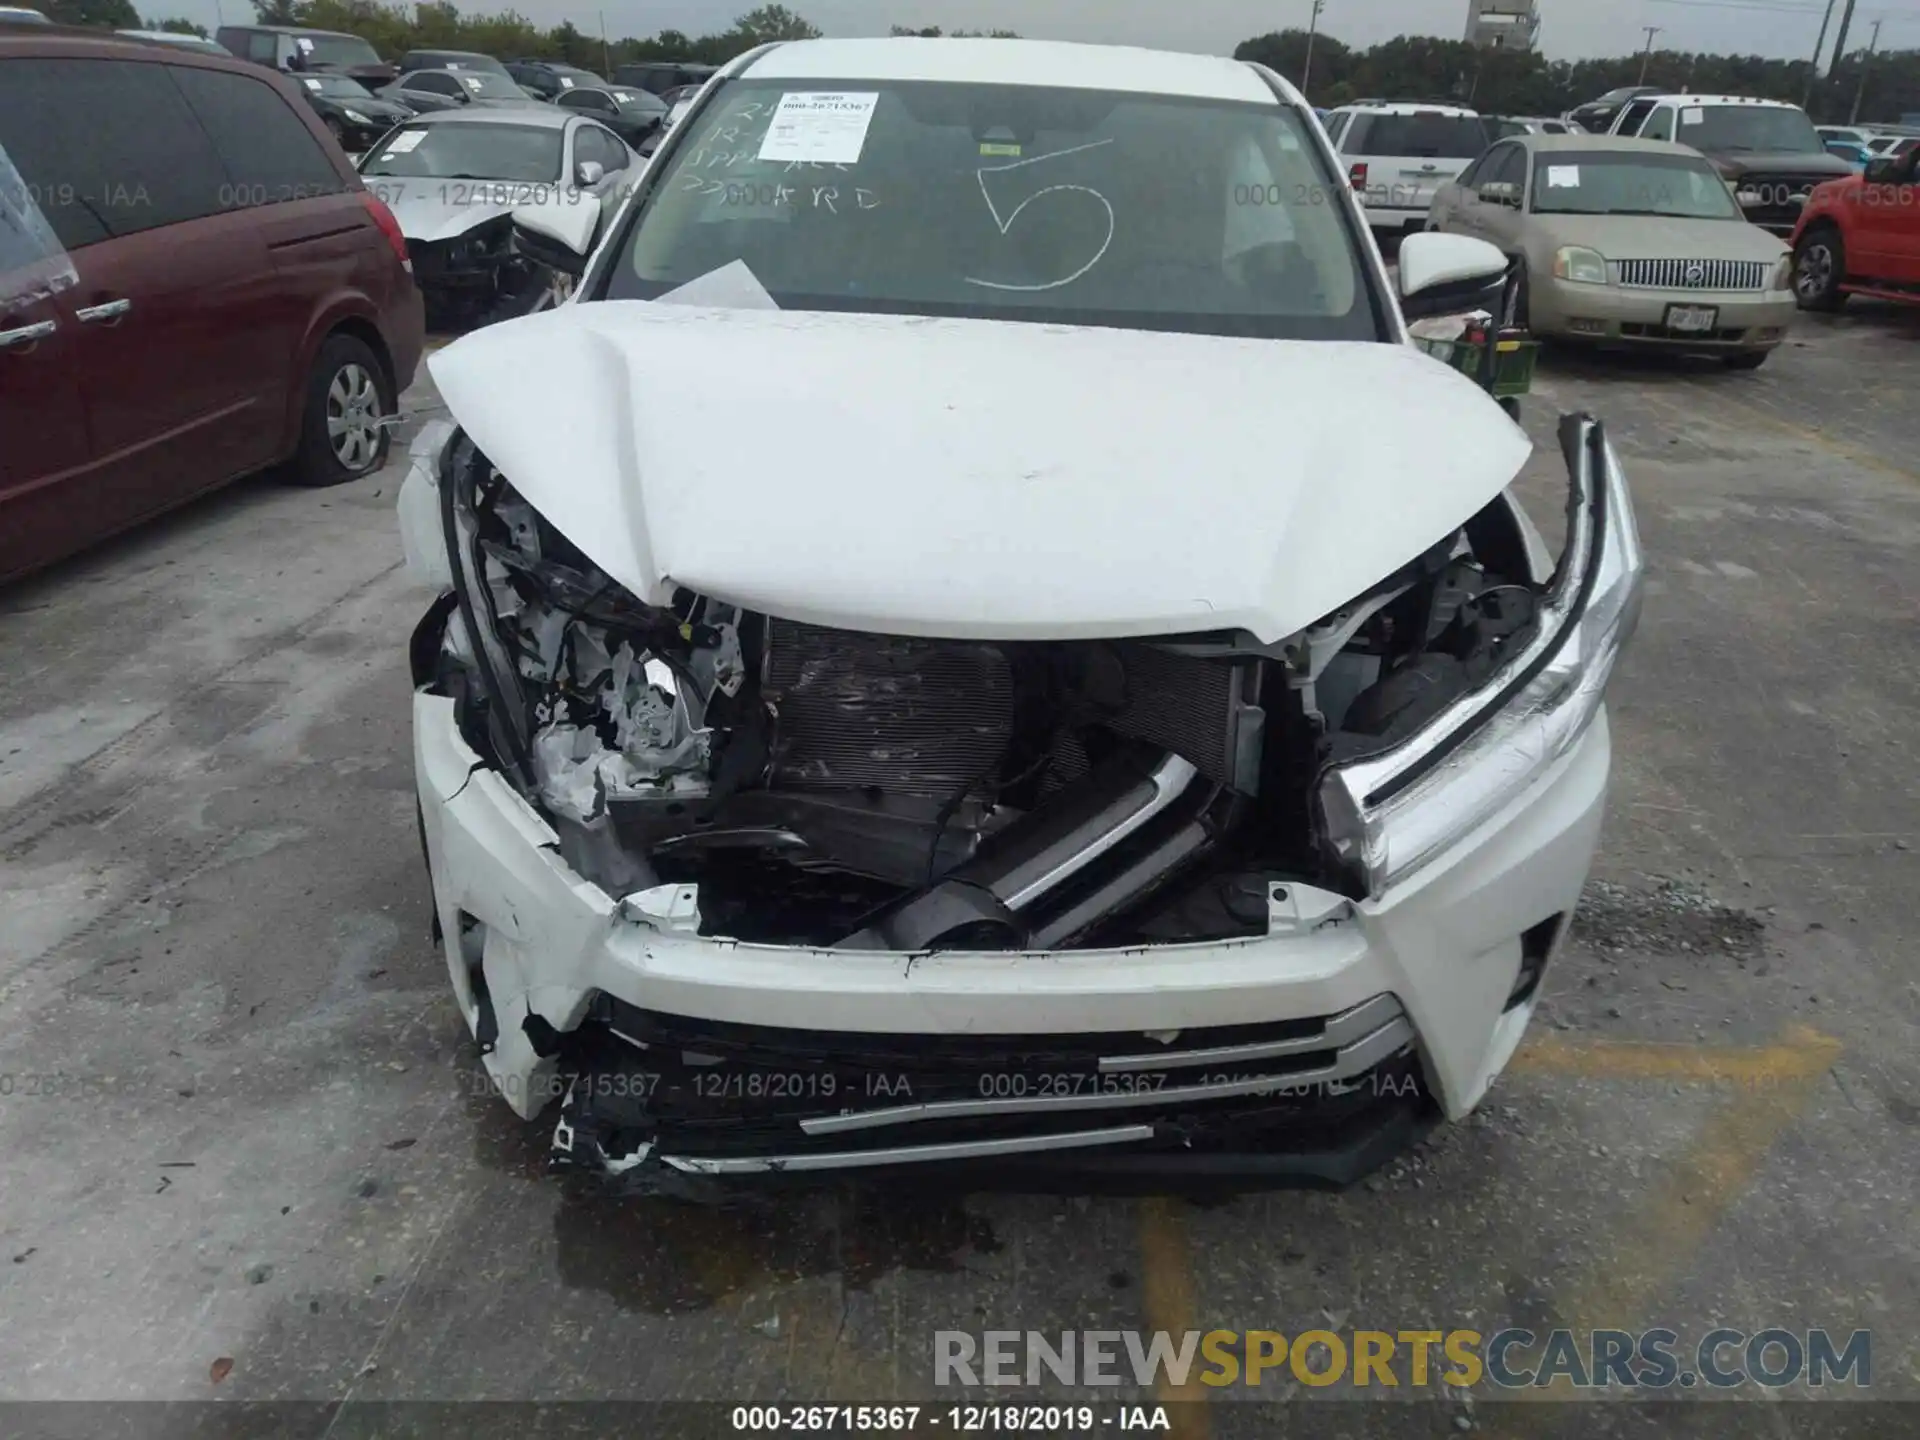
x: 1449, y: 275
x: 1500, y: 192
x: 589, y: 173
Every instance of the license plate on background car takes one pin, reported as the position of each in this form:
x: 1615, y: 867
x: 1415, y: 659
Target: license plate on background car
x: 1692, y: 319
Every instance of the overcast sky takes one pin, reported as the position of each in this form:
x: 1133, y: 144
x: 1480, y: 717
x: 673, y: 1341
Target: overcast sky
x: 1569, y: 29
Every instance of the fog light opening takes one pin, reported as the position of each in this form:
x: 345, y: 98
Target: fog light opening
x: 1537, y: 944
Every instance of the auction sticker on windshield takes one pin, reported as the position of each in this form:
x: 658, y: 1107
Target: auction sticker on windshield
x: 1563, y: 177
x: 823, y: 127
x: 405, y: 144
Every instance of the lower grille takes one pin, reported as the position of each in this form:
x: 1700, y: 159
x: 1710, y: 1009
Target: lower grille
x: 709, y: 1098
x: 1633, y: 330
x: 1692, y: 274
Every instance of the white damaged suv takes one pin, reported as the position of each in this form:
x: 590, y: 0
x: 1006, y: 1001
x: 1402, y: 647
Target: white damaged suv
x: 975, y: 638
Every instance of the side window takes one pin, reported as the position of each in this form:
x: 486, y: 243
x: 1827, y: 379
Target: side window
x: 1510, y: 166
x: 261, y: 47
x: 111, y: 144
x: 1660, y: 127
x: 1355, y: 139
x: 593, y: 143
x: 1635, y: 116
x: 1337, y: 126
x: 268, y: 153
x: 1472, y: 175
x: 435, y: 83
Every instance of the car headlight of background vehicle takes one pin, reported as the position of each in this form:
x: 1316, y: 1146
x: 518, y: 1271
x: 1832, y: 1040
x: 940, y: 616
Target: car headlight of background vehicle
x: 1576, y: 262
x: 356, y: 117
x: 1389, y: 814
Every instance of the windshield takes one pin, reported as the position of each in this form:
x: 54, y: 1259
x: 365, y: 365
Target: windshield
x: 337, y: 50
x: 1619, y: 182
x: 485, y: 85
x: 1427, y: 134
x: 1008, y: 202
x: 341, y: 87
x: 454, y: 60
x: 470, y: 152
x: 1732, y: 128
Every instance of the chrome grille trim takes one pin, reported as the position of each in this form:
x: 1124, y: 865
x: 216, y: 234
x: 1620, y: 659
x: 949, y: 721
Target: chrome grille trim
x: 1350, y: 1062
x: 1343, y: 1029
x: 906, y: 1154
x: 1691, y: 274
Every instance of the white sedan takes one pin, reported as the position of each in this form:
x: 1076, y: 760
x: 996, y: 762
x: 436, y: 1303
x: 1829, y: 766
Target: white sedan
x: 975, y: 637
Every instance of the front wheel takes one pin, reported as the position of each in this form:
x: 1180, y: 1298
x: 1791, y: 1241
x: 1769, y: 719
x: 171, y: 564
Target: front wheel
x: 1819, y: 268
x: 350, y: 401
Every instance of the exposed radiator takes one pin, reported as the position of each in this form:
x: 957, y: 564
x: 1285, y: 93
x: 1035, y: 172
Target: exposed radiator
x: 916, y: 716
x: 898, y: 714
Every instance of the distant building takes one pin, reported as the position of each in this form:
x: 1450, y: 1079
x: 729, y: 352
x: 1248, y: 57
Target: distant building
x: 1503, y: 24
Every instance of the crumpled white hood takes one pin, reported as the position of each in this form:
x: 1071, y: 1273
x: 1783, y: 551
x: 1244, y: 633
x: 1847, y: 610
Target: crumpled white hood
x: 978, y: 479
x: 433, y: 210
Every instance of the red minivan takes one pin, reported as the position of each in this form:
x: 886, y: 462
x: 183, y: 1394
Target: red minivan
x: 193, y: 285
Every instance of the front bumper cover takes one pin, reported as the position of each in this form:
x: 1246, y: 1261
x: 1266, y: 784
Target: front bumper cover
x: 1335, y: 1037
x: 1748, y: 320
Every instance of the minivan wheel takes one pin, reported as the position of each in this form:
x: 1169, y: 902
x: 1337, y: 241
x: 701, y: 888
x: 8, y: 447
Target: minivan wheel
x: 349, y: 401
x: 1819, y: 268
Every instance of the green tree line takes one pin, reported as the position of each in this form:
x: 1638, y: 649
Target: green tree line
x: 1411, y: 66
x: 1505, y: 82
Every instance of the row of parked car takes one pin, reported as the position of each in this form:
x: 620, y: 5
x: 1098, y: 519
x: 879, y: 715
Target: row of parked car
x: 1695, y: 221
x: 360, y: 96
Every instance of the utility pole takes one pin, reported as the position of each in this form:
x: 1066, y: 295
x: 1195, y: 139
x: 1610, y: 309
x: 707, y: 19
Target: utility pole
x: 1840, y: 44
x: 1866, y: 64
x: 606, y: 51
x: 1313, y: 27
x: 1813, y: 72
x: 1647, y: 54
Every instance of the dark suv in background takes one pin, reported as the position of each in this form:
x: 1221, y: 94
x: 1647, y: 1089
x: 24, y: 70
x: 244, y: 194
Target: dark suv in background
x: 294, y: 48
x: 549, y: 78
x: 660, y: 76
x: 194, y: 285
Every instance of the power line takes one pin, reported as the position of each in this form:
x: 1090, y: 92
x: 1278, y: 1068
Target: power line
x: 1766, y: 5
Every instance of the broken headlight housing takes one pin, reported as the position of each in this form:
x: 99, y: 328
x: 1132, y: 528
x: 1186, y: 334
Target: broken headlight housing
x: 1387, y: 815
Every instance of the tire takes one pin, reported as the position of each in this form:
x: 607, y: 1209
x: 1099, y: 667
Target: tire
x: 1819, y: 268
x: 346, y: 389
x: 1746, y: 360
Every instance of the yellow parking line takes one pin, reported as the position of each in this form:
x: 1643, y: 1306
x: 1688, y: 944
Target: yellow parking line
x: 1800, y: 1055
x: 1166, y: 1264
x: 1680, y: 1210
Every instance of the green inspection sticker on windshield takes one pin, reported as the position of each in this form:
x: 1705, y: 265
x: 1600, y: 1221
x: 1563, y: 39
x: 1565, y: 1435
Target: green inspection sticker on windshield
x: 990, y: 148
